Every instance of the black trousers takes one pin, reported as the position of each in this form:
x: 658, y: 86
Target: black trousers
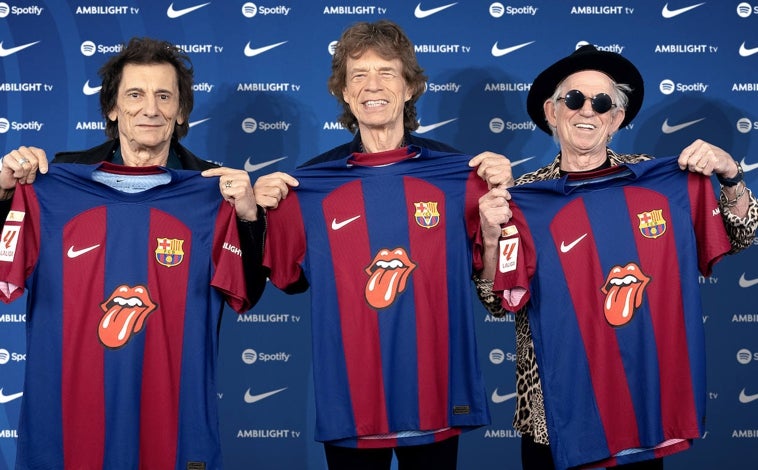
x: 442, y: 455
x: 536, y: 456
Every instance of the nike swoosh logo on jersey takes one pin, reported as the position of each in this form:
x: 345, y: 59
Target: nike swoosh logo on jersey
x: 567, y: 248
x: 338, y: 225
x: 745, y: 398
x: 6, y: 52
x: 748, y: 166
x: 666, y: 13
x: 421, y: 13
x: 745, y: 283
x: 251, y: 167
x: 253, y: 398
x: 496, y: 398
x: 72, y: 253
x: 667, y: 129
x: 9, y: 398
x: 498, y: 52
x: 747, y: 52
x: 424, y: 129
x: 250, y: 52
x: 171, y: 13
x: 90, y: 90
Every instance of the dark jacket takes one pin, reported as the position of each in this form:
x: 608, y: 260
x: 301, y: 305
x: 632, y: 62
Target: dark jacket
x: 355, y: 145
x: 106, y: 151
x: 251, y: 233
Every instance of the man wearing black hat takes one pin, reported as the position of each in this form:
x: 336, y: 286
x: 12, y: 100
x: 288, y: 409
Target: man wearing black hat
x: 582, y: 101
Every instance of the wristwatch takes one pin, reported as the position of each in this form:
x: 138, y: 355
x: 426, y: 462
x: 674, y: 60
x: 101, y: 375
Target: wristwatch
x: 729, y: 182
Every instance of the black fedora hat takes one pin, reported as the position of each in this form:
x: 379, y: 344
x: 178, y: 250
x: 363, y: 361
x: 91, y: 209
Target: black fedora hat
x: 587, y: 57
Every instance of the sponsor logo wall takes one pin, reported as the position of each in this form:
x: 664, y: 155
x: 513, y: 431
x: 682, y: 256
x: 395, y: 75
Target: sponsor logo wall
x: 262, y: 105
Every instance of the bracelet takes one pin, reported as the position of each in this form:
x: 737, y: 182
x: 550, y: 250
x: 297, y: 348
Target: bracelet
x: 729, y: 182
x: 733, y: 202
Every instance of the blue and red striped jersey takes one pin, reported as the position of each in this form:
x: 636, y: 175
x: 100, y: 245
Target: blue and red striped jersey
x: 125, y: 293
x: 608, y: 267
x: 387, y: 253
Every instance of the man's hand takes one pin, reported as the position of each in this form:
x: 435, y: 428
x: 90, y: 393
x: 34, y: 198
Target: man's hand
x: 20, y: 167
x: 272, y: 188
x: 493, y: 168
x: 702, y: 157
x: 494, y: 211
x: 235, y: 188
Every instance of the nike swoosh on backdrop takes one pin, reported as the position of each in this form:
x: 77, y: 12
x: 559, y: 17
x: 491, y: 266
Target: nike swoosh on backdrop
x: 496, y: 398
x: 666, y: 13
x: 9, y: 398
x: 171, y: 13
x: 90, y: 90
x: 745, y: 283
x: 747, y: 52
x: 253, y: 398
x: 421, y: 13
x: 748, y: 166
x: 6, y: 52
x: 250, y: 52
x: 519, y: 162
x: 667, y: 129
x: 745, y: 398
x: 195, y: 123
x: 567, y: 248
x: 498, y: 52
x: 338, y: 225
x: 424, y: 129
x: 72, y: 253
x: 251, y: 167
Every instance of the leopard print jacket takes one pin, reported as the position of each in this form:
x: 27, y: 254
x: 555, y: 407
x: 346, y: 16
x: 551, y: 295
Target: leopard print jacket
x: 529, y: 417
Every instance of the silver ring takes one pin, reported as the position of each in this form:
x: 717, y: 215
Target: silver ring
x: 22, y: 161
x: 228, y: 184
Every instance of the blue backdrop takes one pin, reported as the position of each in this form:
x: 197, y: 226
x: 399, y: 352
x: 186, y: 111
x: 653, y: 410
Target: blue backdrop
x: 262, y: 105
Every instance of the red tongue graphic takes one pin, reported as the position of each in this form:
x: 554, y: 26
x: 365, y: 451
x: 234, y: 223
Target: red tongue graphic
x: 623, y: 289
x: 118, y: 324
x: 125, y: 313
x: 388, y: 276
x: 384, y: 285
x: 619, y: 304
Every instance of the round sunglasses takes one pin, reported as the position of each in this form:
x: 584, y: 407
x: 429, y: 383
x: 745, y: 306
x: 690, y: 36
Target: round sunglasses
x: 601, y: 103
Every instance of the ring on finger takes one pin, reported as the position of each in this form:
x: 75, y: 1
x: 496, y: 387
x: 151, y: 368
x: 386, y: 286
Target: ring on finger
x: 228, y: 184
x: 22, y: 161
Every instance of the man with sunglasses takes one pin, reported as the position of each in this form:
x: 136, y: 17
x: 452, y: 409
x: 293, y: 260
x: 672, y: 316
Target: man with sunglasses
x: 582, y: 100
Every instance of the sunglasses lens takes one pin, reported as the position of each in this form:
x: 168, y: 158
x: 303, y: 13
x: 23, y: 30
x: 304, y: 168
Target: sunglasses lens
x: 601, y: 103
x: 574, y: 99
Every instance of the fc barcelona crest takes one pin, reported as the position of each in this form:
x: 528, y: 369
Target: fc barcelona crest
x: 426, y: 214
x: 652, y: 224
x: 169, y: 251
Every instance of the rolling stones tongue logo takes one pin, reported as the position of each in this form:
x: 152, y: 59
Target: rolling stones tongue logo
x: 623, y: 291
x: 125, y: 313
x: 388, y: 276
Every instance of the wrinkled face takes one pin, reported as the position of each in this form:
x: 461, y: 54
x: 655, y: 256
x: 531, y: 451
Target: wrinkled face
x: 147, y: 105
x: 376, y: 91
x: 584, y: 130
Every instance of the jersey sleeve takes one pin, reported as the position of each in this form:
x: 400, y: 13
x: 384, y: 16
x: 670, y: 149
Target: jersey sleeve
x: 285, y: 247
x: 228, y: 276
x: 19, y: 247
x: 476, y: 187
x: 516, y: 262
x: 712, y: 239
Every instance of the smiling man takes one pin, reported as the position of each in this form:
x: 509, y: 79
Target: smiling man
x: 582, y: 100
x: 122, y: 345
x: 389, y: 219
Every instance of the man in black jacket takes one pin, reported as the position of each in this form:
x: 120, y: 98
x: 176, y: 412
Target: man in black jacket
x: 146, y: 99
